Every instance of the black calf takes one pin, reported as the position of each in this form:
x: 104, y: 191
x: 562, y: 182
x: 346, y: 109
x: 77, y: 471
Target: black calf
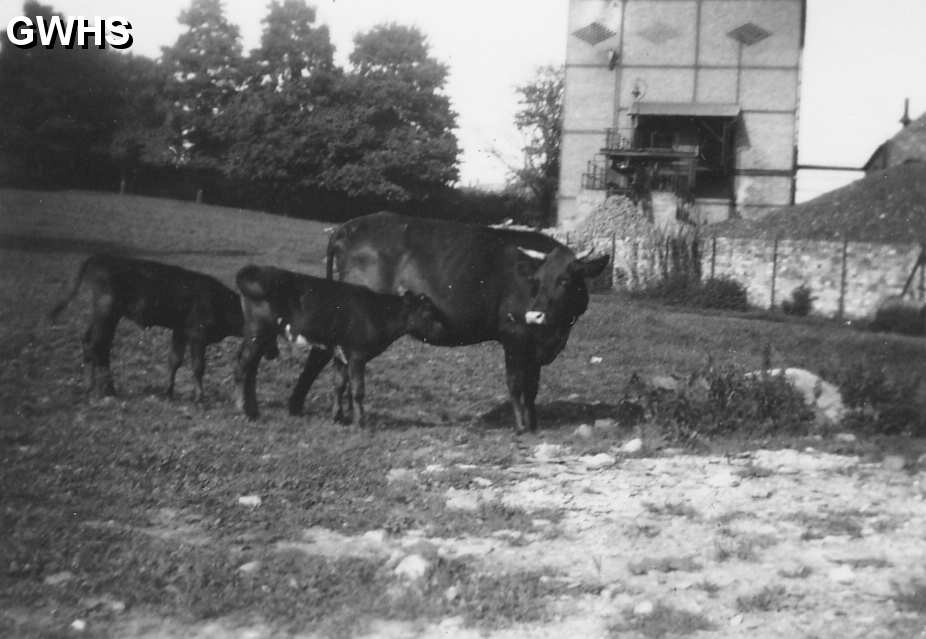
x: 197, y: 308
x: 326, y: 314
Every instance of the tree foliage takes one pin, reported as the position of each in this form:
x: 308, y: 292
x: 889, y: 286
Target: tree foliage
x: 205, y: 71
x: 540, y: 122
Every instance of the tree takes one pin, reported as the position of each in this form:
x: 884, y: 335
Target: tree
x: 540, y: 121
x: 390, y: 125
x: 273, y: 122
x: 205, y: 70
x: 57, y: 106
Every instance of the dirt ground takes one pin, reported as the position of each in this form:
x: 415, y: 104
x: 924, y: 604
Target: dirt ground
x: 779, y: 543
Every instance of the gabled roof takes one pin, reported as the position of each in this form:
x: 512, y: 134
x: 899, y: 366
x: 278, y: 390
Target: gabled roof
x: 884, y: 206
x: 908, y: 144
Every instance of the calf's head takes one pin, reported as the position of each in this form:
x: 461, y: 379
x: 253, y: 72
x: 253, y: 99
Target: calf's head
x: 422, y: 318
x: 559, y: 294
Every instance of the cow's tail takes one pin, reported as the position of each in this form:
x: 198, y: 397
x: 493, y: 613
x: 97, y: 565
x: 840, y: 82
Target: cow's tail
x: 75, y: 288
x: 334, y: 245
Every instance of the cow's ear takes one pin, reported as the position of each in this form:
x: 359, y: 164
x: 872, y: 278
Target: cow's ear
x: 589, y: 268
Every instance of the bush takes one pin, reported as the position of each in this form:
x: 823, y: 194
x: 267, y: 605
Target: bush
x: 718, y: 292
x: 898, y: 316
x: 800, y: 304
x: 880, y: 404
x: 725, y: 401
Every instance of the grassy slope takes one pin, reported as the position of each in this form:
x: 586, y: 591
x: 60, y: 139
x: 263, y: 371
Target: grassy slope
x: 91, y: 488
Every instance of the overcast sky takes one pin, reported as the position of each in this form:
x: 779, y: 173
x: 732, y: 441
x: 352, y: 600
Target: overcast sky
x: 861, y: 59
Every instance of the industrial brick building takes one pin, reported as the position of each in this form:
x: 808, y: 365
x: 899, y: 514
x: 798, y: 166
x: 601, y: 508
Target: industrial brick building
x: 692, y: 104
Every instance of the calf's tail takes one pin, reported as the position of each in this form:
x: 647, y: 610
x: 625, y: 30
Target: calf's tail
x: 60, y: 306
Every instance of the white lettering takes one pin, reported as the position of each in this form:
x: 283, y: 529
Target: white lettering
x: 48, y: 31
x: 20, y: 32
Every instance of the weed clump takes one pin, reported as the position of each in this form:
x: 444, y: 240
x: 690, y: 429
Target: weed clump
x: 800, y: 304
x: 721, y: 293
x: 724, y: 401
x: 880, y: 404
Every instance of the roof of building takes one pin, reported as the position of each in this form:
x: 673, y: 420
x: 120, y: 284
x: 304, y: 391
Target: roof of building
x: 907, y: 144
x: 884, y: 206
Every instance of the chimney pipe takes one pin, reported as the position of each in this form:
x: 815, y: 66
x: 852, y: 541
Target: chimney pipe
x: 905, y: 119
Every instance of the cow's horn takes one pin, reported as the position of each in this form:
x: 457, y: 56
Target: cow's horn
x: 584, y: 254
x: 537, y: 255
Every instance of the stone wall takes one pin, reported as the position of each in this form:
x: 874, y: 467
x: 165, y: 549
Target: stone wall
x: 847, y: 279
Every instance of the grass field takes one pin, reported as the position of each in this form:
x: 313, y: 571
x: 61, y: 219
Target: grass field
x: 133, y: 503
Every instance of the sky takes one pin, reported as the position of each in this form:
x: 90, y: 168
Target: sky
x: 861, y: 59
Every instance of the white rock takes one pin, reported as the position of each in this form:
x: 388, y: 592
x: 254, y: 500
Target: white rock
x: 58, y: 578
x: 251, y: 501
x: 456, y: 499
x: 451, y: 593
x: 736, y: 620
x: 250, y: 567
x: 842, y: 574
x: 664, y: 382
x: 547, y: 452
x: 606, y: 424
x: 644, y: 609
x: 400, y: 474
x: 584, y: 431
x: 78, y: 625
x: 601, y: 460
x: 482, y: 482
x: 894, y: 462
x: 846, y: 438
x: 632, y: 446
x: 594, y: 359
x: 413, y: 567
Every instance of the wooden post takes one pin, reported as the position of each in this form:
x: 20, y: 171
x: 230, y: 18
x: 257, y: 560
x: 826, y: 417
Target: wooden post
x: 841, y: 311
x: 771, y: 304
x: 713, y: 255
x: 613, y: 260
x: 199, y: 196
x: 919, y: 262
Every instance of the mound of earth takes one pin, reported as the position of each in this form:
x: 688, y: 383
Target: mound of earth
x: 886, y: 206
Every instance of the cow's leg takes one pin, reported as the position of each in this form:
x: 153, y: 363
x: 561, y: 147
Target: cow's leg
x: 531, y: 383
x: 357, y: 365
x: 249, y: 354
x: 99, y: 344
x: 514, y: 375
x: 341, y: 379
x: 174, y: 358
x: 318, y: 358
x: 198, y: 362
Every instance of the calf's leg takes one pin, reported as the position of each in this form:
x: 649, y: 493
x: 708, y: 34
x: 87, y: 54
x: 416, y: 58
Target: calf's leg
x: 174, y: 358
x: 98, y: 343
x: 341, y: 382
x: 198, y: 362
x: 316, y: 361
x: 531, y: 384
x: 249, y: 355
x: 357, y: 366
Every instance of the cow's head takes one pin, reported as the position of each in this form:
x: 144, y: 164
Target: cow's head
x: 558, y: 291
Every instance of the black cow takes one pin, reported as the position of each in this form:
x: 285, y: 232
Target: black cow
x: 199, y: 310
x: 523, y: 289
x: 326, y: 314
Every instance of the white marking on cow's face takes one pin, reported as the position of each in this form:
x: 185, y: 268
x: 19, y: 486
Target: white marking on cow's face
x: 535, y: 317
x: 288, y: 332
x: 301, y: 341
x: 537, y: 255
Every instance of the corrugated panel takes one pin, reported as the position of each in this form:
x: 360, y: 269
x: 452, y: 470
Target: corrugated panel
x: 695, y: 109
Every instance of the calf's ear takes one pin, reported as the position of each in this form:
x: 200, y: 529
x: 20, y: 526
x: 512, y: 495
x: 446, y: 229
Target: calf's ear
x: 589, y: 268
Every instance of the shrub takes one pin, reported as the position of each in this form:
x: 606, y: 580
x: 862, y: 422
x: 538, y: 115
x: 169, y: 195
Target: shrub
x: 722, y: 293
x: 726, y: 401
x: 800, y: 304
x: 880, y: 404
x: 897, y: 316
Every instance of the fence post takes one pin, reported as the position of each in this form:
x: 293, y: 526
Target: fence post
x: 771, y: 304
x: 713, y: 255
x: 841, y: 310
x: 613, y: 260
